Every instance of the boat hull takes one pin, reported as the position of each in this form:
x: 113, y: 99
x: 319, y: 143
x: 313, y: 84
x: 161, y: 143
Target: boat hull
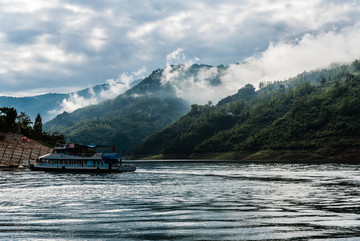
x: 128, y: 168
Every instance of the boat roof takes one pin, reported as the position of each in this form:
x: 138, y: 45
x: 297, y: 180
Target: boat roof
x: 111, y: 156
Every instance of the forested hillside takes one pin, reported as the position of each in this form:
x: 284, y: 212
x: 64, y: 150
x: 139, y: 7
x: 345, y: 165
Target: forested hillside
x: 312, y: 116
x: 132, y: 116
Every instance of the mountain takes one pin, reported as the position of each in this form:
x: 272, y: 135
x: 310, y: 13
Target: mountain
x: 124, y: 121
x: 312, y: 116
x: 33, y: 105
x: 48, y: 105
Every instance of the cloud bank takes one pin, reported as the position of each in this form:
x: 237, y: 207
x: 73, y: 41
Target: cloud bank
x: 279, y: 61
x: 62, y: 45
x: 112, y: 89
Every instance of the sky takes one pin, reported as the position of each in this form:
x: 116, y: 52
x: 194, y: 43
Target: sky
x: 63, y: 46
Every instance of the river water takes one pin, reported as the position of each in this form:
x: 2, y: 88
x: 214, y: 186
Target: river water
x: 184, y: 201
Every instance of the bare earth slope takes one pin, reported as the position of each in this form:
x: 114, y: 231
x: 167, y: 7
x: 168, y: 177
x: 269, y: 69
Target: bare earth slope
x: 14, y: 151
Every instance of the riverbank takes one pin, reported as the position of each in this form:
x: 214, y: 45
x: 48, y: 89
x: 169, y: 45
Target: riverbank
x: 16, y: 149
x: 320, y: 155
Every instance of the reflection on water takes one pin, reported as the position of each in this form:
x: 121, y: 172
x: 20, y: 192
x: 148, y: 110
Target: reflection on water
x: 189, y: 200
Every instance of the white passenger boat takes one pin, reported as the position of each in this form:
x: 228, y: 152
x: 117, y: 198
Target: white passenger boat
x: 79, y: 158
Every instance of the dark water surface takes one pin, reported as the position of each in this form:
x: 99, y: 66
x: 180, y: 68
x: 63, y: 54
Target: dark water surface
x: 184, y: 201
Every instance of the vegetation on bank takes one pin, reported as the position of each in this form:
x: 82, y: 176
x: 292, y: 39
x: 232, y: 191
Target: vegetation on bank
x: 312, y: 116
x: 12, y: 122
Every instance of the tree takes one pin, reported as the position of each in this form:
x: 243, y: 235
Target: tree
x: 23, y: 123
x: 356, y: 65
x: 38, y: 126
x: 247, y: 91
x: 23, y: 120
x: 261, y: 84
x: 304, y: 89
x: 322, y: 80
x: 10, y: 117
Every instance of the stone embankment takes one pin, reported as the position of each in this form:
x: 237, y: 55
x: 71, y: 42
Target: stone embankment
x: 16, y: 150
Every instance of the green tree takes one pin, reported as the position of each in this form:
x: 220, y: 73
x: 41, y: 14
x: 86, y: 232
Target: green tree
x: 38, y: 126
x: 247, y: 91
x: 10, y: 117
x: 261, y: 84
x: 322, y: 80
x: 356, y: 65
x: 23, y: 120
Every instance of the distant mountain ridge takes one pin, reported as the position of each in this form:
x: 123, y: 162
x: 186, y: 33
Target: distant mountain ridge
x: 35, y: 104
x: 46, y: 103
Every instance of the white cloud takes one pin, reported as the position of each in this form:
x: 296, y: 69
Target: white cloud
x: 35, y: 57
x: 175, y: 55
x: 122, y: 84
x: 177, y: 73
x: 286, y: 59
x: 57, y: 44
x: 75, y: 102
x: 113, y: 89
x: 78, y: 9
x: 279, y: 61
x: 24, y: 6
x: 98, y: 38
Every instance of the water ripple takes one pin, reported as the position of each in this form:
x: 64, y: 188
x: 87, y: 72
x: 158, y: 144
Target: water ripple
x: 190, y: 200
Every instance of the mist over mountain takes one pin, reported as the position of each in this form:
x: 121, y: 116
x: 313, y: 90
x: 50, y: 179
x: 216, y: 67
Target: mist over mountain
x: 52, y: 104
x: 165, y: 96
x: 127, y: 119
x: 124, y: 115
x: 157, y: 101
x: 314, y: 115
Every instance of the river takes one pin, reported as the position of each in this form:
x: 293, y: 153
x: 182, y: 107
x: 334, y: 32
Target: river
x: 184, y: 201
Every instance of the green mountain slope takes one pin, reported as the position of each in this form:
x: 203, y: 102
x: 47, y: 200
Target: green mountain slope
x: 313, y: 116
x: 126, y: 120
